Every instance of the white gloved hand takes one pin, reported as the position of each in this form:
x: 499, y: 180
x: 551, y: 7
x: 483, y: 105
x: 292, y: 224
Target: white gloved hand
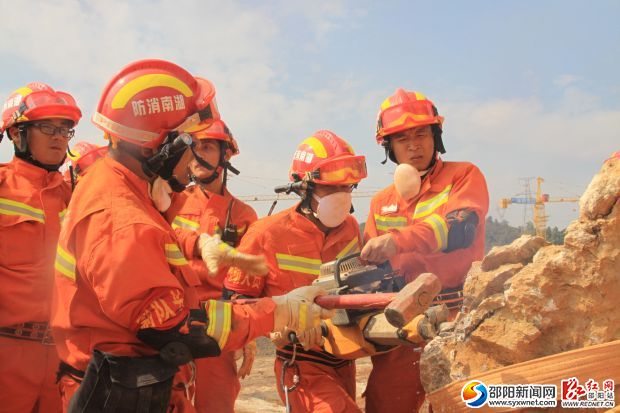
x: 311, y: 338
x: 297, y: 310
x: 249, y: 354
x: 216, y: 254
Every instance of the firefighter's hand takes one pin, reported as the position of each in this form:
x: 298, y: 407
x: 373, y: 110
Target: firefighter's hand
x: 311, y: 338
x: 216, y: 254
x: 279, y: 338
x: 379, y: 249
x: 297, y: 310
x: 249, y: 354
x: 425, y: 327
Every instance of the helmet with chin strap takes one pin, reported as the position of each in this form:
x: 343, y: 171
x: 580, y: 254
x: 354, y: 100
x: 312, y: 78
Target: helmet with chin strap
x: 405, y: 110
x: 36, y: 101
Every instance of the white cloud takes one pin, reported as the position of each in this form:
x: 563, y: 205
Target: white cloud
x: 565, y: 80
x: 77, y: 46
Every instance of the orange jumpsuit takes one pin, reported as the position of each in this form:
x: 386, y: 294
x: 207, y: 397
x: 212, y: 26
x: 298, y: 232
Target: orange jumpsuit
x: 193, y: 212
x: 420, y: 230
x: 295, y: 248
x: 32, y: 203
x: 119, y: 269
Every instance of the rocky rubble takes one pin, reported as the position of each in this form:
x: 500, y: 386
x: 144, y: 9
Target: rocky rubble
x: 531, y: 299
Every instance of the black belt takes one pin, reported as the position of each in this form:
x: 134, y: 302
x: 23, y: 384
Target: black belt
x: 65, y: 369
x: 40, y: 332
x: 451, y: 297
x: 313, y: 356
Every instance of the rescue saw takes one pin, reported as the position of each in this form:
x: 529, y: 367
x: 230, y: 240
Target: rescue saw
x: 358, y: 332
x: 375, y: 310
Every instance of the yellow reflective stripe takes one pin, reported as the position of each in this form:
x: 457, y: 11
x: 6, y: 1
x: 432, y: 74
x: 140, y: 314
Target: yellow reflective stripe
x: 350, y: 248
x: 65, y: 263
x: 440, y: 228
x: 299, y: 264
x: 220, y: 321
x: 10, y: 207
x: 174, y: 255
x: 303, y: 315
x: 384, y: 223
x: 180, y: 222
x: 427, y: 207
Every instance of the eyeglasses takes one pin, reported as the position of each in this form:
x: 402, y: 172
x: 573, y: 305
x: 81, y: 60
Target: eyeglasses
x: 52, y: 130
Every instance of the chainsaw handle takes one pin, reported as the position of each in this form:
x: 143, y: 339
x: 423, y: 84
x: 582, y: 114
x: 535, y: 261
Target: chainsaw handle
x: 347, y: 301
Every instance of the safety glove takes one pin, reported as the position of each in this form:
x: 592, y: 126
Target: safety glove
x: 249, y: 354
x: 215, y: 253
x: 426, y: 327
x: 297, y: 312
x: 311, y: 338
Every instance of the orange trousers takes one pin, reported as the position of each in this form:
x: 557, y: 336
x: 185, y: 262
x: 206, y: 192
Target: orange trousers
x: 28, y: 377
x: 394, y: 383
x: 217, y: 385
x: 322, y: 389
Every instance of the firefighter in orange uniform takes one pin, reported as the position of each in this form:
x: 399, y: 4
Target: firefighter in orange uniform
x: 430, y: 220
x: 33, y: 199
x: 208, y: 207
x: 295, y: 243
x: 125, y: 314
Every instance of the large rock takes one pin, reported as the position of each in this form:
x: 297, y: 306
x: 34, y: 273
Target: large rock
x: 531, y: 299
x: 520, y: 251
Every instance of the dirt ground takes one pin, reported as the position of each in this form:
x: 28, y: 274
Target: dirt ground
x: 258, y: 392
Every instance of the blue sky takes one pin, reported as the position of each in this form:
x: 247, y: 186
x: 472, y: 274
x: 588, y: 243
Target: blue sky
x: 527, y: 88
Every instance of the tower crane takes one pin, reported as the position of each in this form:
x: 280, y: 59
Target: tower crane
x: 538, y: 204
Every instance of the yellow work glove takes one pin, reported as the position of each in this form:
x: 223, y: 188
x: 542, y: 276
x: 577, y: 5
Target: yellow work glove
x: 297, y: 311
x: 215, y: 253
x: 379, y: 249
x: 249, y: 354
x: 311, y: 338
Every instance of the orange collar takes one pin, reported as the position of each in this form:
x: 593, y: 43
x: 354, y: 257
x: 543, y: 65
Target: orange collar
x: 34, y: 173
x: 138, y: 185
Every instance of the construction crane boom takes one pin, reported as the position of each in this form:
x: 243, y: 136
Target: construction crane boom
x: 282, y: 197
x: 538, y: 204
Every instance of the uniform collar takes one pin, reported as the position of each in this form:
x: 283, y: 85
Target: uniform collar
x: 427, y: 183
x: 301, y: 222
x: 216, y: 200
x: 137, y: 184
x: 34, y: 173
x: 298, y: 220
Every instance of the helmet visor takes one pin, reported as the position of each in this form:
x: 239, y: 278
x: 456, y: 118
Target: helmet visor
x: 407, y: 115
x: 342, y: 171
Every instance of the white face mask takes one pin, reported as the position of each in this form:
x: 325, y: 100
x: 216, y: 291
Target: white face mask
x: 160, y: 191
x: 333, y: 209
x: 407, y: 181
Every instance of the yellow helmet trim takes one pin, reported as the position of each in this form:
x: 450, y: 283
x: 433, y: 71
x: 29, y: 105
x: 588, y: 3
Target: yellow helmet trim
x: 317, y: 147
x: 141, y: 83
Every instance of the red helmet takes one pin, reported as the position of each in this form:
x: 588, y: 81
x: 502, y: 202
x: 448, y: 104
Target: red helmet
x: 215, y: 130
x: 327, y: 159
x: 405, y: 110
x: 149, y: 98
x: 38, y: 101
x: 83, y: 154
